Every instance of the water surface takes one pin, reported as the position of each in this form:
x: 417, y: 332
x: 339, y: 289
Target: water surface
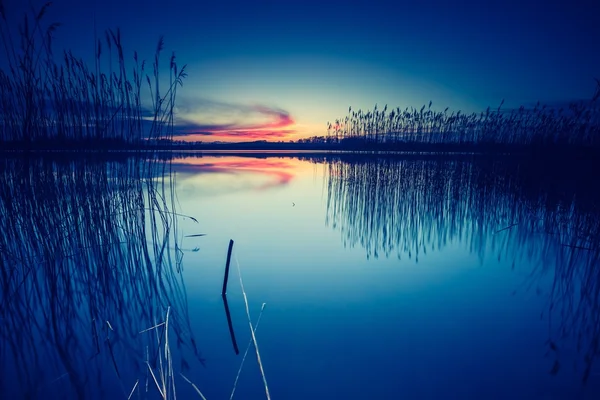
x: 382, y: 277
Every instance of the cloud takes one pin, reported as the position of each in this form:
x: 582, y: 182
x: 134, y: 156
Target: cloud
x: 228, y: 120
x: 201, y: 117
x: 257, y: 134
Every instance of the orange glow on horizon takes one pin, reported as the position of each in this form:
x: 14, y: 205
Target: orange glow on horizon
x: 288, y: 133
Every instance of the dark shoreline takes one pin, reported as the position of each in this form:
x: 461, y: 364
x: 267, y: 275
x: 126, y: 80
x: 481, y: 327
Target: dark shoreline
x: 546, y: 152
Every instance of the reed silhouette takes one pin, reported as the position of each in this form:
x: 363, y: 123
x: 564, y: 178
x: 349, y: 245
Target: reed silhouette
x: 53, y: 101
x: 90, y: 278
x: 573, y: 129
x: 540, y: 217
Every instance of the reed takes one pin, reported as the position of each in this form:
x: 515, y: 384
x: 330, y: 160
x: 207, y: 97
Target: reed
x: 85, y: 270
x: 496, y: 130
x: 538, y: 217
x: 50, y: 100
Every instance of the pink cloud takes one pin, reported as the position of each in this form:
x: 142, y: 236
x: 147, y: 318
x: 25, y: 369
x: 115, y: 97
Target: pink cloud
x: 273, y: 123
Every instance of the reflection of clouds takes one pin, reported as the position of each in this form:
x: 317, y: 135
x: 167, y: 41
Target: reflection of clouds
x: 206, y: 118
x: 249, y: 173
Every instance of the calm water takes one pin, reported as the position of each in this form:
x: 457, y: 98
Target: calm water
x: 382, y: 278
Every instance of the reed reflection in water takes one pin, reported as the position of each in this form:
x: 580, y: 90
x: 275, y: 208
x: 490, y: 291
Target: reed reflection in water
x: 89, y: 259
x: 542, y: 219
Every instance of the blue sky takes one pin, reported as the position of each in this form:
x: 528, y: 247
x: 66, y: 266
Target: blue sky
x: 282, y: 69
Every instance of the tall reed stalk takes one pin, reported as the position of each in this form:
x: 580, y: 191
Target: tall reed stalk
x: 543, y: 128
x: 55, y: 100
x: 89, y: 260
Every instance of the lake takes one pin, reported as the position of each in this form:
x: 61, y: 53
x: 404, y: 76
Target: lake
x: 365, y: 276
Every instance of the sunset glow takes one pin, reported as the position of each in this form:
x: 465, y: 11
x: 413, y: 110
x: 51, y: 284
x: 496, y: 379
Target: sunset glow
x: 281, y: 71
x: 229, y: 122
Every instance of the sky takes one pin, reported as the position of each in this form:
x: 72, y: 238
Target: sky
x: 280, y: 70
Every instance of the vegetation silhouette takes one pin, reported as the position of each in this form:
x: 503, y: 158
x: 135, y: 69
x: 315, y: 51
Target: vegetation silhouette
x: 570, y: 129
x: 60, y: 102
x: 67, y: 104
x: 89, y: 261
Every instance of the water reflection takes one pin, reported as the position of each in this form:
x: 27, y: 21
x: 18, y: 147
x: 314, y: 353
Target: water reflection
x: 236, y: 174
x: 89, y: 258
x: 543, y: 219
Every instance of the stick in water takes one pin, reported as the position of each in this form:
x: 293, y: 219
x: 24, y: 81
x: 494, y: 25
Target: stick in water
x: 226, y: 278
x: 230, y: 325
